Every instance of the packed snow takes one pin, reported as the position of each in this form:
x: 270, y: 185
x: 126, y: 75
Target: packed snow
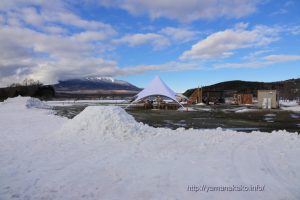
x: 288, y: 103
x: 290, y: 106
x: 103, y: 153
x: 243, y: 110
x: 240, y: 109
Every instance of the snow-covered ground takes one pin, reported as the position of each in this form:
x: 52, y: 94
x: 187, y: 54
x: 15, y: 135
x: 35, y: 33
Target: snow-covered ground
x: 103, y: 153
x: 289, y: 106
x: 288, y: 103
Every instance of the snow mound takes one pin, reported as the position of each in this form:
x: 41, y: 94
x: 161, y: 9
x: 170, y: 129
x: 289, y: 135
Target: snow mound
x: 288, y: 103
x: 36, y: 103
x: 187, y: 109
x: 20, y: 102
x: 292, y: 108
x: 101, y: 122
x: 245, y: 110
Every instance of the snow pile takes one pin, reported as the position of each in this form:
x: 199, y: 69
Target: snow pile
x: 292, y: 108
x: 289, y: 106
x: 186, y: 109
x: 245, y: 110
x: 100, y: 122
x: 36, y: 103
x: 25, y: 102
x: 18, y: 101
x: 288, y: 103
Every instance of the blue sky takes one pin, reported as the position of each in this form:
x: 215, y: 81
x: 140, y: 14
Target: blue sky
x: 188, y: 43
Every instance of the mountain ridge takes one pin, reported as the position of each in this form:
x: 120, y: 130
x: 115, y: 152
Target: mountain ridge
x: 287, y: 89
x: 94, y: 83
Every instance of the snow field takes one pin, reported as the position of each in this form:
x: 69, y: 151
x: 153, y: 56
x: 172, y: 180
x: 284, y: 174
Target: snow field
x: 103, y: 153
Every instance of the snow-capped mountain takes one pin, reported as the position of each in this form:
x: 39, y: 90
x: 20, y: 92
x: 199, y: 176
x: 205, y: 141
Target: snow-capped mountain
x: 109, y: 79
x: 94, y: 83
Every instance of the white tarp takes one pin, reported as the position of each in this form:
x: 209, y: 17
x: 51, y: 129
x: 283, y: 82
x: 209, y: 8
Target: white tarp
x: 156, y: 87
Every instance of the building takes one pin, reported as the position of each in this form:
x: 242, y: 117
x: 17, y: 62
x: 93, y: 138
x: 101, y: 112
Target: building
x: 243, y: 98
x: 196, y: 96
x: 267, y: 99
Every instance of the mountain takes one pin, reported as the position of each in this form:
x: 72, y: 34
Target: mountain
x: 287, y: 89
x: 92, y: 83
x: 94, y: 86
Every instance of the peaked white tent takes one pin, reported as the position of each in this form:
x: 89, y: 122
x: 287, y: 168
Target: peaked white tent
x: 156, y: 87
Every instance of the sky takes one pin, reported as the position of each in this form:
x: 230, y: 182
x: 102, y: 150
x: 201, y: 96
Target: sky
x: 188, y: 43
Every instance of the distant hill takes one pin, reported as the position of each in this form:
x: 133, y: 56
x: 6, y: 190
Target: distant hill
x: 94, y: 87
x: 83, y: 88
x: 96, y: 83
x: 287, y: 89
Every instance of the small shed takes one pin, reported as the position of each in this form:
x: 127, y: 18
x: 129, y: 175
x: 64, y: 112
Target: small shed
x: 267, y: 99
x: 243, y: 98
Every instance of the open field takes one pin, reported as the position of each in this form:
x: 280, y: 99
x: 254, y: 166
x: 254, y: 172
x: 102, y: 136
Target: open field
x: 239, y: 118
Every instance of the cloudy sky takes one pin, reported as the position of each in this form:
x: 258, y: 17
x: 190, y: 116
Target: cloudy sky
x: 187, y: 42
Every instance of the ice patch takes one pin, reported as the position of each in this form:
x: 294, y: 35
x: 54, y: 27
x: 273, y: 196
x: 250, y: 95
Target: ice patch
x: 294, y: 116
x: 234, y: 109
x: 245, y: 110
x: 270, y: 115
x: 186, y: 109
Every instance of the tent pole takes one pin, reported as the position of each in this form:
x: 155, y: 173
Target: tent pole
x: 135, y: 101
x: 129, y: 104
x: 178, y: 103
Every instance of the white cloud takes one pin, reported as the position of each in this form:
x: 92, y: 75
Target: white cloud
x: 55, y: 12
x: 253, y: 64
x: 55, y: 29
x: 223, y: 43
x: 2, y: 20
x: 261, y: 62
x: 281, y: 11
x: 36, y: 42
x: 282, y: 58
x: 90, y: 36
x: 31, y: 16
x: 49, y: 51
x: 47, y: 56
x: 288, y: 3
x: 188, y: 10
x: 179, y: 34
x: 256, y: 54
x: 71, y: 19
x: 156, y: 40
x: 294, y: 30
x: 165, y: 67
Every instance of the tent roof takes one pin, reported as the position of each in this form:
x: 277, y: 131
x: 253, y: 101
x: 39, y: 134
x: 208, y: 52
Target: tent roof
x: 156, y: 87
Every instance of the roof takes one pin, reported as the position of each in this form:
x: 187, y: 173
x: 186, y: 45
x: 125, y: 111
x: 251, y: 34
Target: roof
x: 156, y: 87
